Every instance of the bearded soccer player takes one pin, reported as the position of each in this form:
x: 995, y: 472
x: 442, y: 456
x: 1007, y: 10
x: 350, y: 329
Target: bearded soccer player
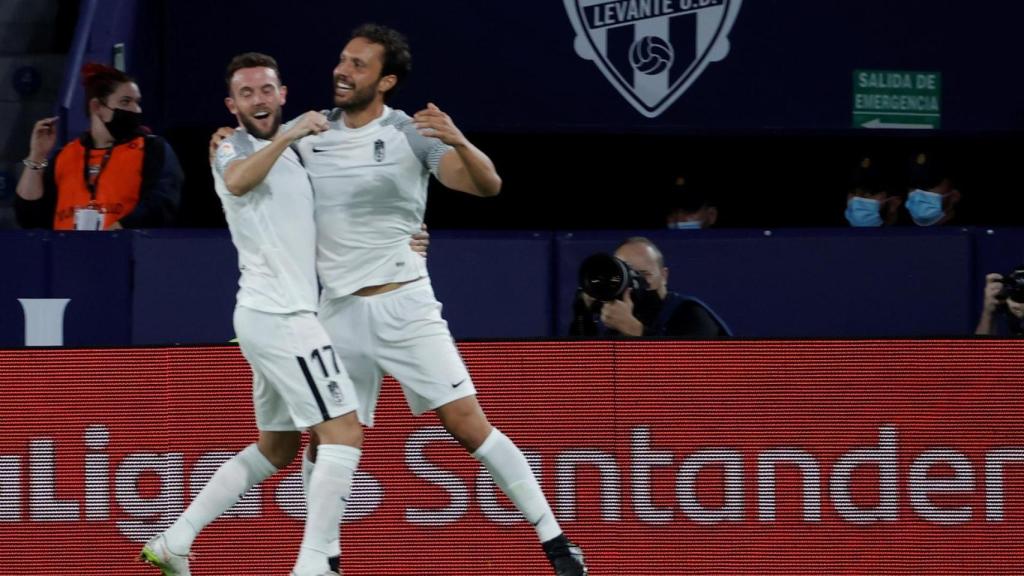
x: 298, y: 382
x: 370, y: 171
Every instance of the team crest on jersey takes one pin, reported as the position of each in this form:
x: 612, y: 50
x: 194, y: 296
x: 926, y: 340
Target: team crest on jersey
x: 378, y: 150
x: 335, y: 391
x: 652, y: 51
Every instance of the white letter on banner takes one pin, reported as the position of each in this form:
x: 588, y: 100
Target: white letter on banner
x: 44, y: 320
x: 888, y: 488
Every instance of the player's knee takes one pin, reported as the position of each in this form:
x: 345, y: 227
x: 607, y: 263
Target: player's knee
x: 280, y: 448
x: 466, y: 422
x: 314, y: 443
x: 344, y: 429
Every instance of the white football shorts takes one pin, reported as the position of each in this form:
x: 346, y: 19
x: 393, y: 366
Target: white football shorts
x: 298, y: 381
x: 400, y: 333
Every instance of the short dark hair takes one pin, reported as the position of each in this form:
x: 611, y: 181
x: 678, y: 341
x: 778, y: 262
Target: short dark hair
x: 397, y: 56
x: 928, y: 170
x: 250, y: 60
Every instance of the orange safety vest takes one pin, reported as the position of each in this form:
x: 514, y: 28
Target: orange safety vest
x: 117, y: 184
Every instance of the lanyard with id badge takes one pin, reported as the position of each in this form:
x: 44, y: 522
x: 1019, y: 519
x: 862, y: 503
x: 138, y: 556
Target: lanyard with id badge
x: 90, y: 216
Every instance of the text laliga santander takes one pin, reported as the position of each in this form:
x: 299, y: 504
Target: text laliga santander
x: 920, y: 482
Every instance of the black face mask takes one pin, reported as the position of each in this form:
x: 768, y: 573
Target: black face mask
x: 124, y: 125
x: 645, y: 303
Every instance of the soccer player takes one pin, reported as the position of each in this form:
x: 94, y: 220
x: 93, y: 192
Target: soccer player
x: 298, y: 382
x: 370, y: 172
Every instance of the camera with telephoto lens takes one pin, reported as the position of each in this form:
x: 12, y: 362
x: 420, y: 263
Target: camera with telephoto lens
x: 1013, y: 286
x: 604, y: 278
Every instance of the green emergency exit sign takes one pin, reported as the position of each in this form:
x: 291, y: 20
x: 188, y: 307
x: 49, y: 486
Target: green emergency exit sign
x: 897, y: 99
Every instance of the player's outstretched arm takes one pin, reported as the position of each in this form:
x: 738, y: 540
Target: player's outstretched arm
x: 243, y: 175
x: 466, y: 168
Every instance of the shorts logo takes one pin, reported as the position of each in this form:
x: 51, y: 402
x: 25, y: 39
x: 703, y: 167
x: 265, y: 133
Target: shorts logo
x: 378, y: 150
x: 652, y: 50
x: 335, y: 391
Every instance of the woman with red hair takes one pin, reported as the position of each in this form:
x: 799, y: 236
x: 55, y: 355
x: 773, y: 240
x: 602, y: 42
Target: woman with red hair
x: 115, y: 175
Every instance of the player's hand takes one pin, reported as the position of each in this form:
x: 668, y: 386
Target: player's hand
x: 420, y: 241
x: 116, y: 226
x: 44, y: 138
x: 618, y: 315
x: 218, y: 137
x: 434, y: 123
x: 993, y: 284
x: 311, y: 122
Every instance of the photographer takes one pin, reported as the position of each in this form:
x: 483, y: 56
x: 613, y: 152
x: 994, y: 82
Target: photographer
x: 1003, y: 295
x: 637, y: 303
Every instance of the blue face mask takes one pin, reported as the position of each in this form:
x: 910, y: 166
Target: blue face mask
x: 925, y: 207
x: 863, y: 212
x: 686, y: 225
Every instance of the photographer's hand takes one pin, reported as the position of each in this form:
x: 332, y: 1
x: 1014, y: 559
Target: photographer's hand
x: 993, y: 284
x: 618, y: 315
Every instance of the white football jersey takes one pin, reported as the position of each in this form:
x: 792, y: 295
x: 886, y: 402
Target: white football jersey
x: 370, y: 186
x: 273, y: 229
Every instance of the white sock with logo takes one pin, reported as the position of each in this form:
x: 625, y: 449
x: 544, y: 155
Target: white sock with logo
x: 329, y: 487
x: 512, y: 473
x: 227, y: 485
x: 334, y: 546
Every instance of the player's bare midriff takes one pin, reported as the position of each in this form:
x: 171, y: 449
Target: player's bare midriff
x: 381, y: 288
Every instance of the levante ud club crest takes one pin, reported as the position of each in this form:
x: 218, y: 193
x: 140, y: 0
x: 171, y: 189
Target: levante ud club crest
x: 652, y: 50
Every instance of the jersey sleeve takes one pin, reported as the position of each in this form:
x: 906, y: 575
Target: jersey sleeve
x: 428, y: 150
x: 233, y: 148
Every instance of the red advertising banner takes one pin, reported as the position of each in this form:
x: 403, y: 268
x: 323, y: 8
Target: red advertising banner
x: 732, y: 457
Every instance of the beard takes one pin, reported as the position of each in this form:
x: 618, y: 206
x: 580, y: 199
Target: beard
x: 359, y: 99
x: 250, y: 126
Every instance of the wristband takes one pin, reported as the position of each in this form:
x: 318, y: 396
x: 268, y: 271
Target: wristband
x: 35, y: 165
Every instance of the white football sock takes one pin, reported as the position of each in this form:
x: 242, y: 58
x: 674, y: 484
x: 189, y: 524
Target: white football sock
x: 329, y: 487
x: 307, y: 472
x: 334, y: 545
x: 512, y: 473
x: 227, y: 485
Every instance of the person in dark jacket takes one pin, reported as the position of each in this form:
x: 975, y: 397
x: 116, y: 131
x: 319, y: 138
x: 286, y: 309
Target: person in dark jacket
x: 653, y: 312
x: 115, y: 175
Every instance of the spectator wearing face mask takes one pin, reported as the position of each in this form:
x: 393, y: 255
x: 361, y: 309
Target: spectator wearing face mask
x: 868, y: 203
x: 690, y: 207
x: 115, y: 175
x: 933, y: 198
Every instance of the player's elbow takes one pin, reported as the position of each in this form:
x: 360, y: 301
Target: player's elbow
x: 491, y: 188
x: 236, y: 187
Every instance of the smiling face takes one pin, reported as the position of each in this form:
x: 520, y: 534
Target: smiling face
x: 358, y: 83
x: 256, y: 100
